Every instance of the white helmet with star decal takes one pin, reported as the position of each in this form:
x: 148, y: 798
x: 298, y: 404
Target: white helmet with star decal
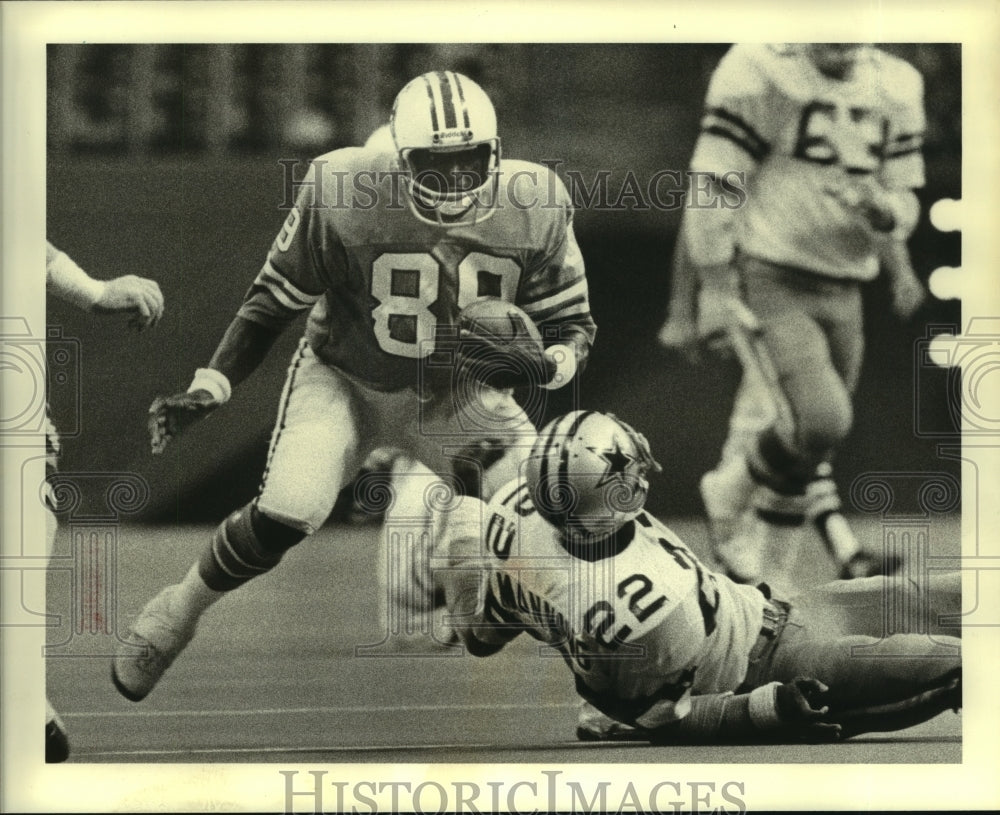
x: 587, y: 472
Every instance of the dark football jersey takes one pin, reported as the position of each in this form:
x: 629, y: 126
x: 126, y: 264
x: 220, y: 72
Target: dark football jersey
x: 382, y: 284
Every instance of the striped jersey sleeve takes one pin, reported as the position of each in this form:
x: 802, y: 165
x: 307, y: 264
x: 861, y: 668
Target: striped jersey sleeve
x: 555, y: 294
x: 292, y: 278
x: 903, y: 166
x: 737, y: 131
x: 738, y: 120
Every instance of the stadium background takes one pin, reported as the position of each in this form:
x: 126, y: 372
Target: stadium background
x: 164, y: 162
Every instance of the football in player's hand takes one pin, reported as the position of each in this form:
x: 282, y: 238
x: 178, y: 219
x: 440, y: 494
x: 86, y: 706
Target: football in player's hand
x: 500, y: 345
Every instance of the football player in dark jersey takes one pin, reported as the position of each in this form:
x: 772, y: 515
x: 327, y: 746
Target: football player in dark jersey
x: 383, y: 249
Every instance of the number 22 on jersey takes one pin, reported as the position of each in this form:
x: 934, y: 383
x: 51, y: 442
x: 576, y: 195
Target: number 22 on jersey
x: 407, y: 285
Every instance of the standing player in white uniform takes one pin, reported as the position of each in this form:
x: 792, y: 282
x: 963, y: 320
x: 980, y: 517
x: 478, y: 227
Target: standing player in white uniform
x: 142, y: 299
x: 827, y: 139
x: 663, y: 645
x: 384, y: 250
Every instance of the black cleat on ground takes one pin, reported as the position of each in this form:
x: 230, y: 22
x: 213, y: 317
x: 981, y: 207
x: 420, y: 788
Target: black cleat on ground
x: 865, y: 564
x: 56, y: 742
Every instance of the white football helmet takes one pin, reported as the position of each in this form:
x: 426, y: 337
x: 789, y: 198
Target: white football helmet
x: 445, y: 131
x: 587, y: 473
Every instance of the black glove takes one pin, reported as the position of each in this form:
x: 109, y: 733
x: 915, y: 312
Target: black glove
x: 801, y: 719
x: 168, y: 415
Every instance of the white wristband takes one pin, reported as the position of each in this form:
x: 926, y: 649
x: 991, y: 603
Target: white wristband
x: 565, y: 359
x: 213, y: 381
x: 763, y: 706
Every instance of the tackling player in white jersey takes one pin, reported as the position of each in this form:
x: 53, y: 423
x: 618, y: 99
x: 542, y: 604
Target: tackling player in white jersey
x: 384, y: 250
x: 661, y: 644
x: 142, y: 300
x: 826, y: 141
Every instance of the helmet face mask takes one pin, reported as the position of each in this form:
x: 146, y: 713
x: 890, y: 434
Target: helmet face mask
x: 444, y: 128
x: 587, y: 475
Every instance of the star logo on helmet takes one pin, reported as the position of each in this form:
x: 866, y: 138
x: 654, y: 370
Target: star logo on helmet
x: 618, y: 462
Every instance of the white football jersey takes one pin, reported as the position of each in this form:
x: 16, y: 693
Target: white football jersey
x: 794, y: 132
x: 639, y: 618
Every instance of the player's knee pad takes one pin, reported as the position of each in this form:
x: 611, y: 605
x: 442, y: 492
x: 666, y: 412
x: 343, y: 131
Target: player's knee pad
x: 779, y: 508
x: 246, y: 544
x: 779, y: 466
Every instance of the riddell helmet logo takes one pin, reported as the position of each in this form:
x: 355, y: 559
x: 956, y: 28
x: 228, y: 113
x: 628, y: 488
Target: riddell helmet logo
x: 452, y: 135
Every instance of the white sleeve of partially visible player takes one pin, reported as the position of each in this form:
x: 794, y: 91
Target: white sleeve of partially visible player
x: 903, y: 168
x: 67, y: 281
x: 734, y: 138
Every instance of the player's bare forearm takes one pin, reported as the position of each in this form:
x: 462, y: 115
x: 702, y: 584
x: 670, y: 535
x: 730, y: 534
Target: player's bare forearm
x: 779, y: 712
x: 242, y: 349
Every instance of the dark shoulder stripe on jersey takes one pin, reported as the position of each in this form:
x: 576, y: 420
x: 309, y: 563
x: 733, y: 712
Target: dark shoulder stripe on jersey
x: 906, y: 151
x: 510, y: 496
x: 461, y: 97
x: 739, y: 126
x: 447, y: 101
x: 609, y: 547
x: 748, y: 148
x: 430, y: 97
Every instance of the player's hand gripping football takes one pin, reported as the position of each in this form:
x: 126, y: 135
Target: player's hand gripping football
x: 138, y: 295
x: 802, y: 713
x: 169, y: 415
x: 499, y: 345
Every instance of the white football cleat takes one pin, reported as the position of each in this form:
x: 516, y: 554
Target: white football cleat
x: 151, y: 645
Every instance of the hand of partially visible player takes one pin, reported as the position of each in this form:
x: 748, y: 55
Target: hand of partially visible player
x: 138, y: 295
x: 718, y: 311
x: 171, y: 414
x: 908, y: 295
x: 866, y: 197
x: 680, y: 334
x: 801, y: 711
